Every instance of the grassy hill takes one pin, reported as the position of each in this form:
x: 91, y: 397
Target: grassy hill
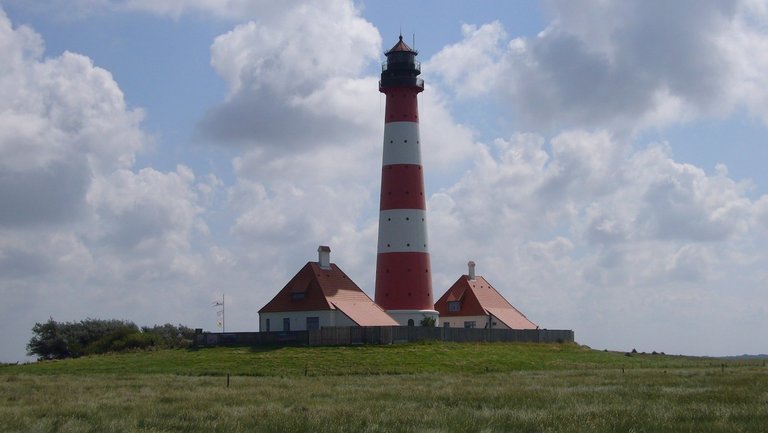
x: 466, y: 358
x: 436, y: 387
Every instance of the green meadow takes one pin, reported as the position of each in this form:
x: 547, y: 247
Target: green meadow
x: 437, y: 387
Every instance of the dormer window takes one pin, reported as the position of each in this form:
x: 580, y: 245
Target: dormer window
x: 297, y: 296
x: 454, y: 306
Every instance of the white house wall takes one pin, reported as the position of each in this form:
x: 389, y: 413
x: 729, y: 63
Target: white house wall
x: 299, y: 319
x: 480, y: 321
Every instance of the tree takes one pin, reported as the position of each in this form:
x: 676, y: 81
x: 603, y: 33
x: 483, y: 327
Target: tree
x: 47, y: 342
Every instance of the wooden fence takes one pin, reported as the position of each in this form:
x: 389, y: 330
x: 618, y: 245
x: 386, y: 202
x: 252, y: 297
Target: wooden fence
x: 350, y: 335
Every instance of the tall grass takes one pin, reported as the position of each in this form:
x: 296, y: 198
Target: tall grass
x: 402, y: 388
x: 650, y: 400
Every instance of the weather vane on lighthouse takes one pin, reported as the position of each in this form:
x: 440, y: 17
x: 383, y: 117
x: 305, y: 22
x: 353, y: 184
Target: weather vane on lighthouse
x: 403, y: 270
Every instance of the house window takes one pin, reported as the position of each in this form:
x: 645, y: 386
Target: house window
x: 286, y: 323
x: 446, y: 324
x: 454, y: 306
x: 267, y: 325
x: 313, y: 323
x: 469, y: 324
x: 410, y: 322
x: 297, y: 296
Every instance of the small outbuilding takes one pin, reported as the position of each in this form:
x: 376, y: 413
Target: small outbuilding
x: 472, y: 302
x: 320, y: 295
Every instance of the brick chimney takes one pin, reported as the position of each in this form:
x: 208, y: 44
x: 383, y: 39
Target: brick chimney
x: 324, y: 257
x: 471, y: 274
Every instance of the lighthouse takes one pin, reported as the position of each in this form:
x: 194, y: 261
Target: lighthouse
x: 403, y: 271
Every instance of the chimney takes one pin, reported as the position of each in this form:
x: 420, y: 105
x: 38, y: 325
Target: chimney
x: 471, y: 265
x: 324, y: 257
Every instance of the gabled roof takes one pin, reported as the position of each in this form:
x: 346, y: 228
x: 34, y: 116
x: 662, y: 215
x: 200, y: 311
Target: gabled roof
x: 316, y: 289
x: 478, y: 298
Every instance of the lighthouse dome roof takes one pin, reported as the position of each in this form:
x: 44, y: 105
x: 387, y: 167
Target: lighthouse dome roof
x: 401, y: 46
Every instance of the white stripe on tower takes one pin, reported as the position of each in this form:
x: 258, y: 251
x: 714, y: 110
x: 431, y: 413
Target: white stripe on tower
x: 401, y: 143
x: 403, y: 273
x: 402, y: 231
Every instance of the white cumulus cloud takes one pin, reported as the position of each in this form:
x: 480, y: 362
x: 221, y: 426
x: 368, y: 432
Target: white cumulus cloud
x: 82, y: 232
x: 624, y: 66
x: 581, y: 230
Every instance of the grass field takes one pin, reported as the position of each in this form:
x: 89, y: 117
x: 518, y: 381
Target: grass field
x: 400, y: 388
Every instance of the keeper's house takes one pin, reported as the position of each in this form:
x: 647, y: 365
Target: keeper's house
x: 321, y: 295
x: 472, y: 302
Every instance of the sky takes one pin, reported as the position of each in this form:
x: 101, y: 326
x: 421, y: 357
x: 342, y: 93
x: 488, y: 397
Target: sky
x: 601, y: 162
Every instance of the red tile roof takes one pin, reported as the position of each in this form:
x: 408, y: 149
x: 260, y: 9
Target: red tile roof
x: 317, y: 289
x: 365, y: 313
x: 479, y: 298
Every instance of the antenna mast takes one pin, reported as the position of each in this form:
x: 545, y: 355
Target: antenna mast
x: 220, y: 316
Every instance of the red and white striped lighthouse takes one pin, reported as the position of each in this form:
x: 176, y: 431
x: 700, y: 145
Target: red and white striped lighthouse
x: 403, y: 271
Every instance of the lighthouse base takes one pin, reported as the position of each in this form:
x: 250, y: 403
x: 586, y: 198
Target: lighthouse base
x: 412, y: 317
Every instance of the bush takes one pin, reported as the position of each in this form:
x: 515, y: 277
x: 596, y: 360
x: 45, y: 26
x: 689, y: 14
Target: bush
x: 428, y: 321
x: 135, y: 341
x: 54, y: 340
x: 94, y: 336
x: 121, y: 340
x: 171, y: 336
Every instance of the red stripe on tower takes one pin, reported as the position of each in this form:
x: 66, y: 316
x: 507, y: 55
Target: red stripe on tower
x: 402, y: 187
x: 403, y: 273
